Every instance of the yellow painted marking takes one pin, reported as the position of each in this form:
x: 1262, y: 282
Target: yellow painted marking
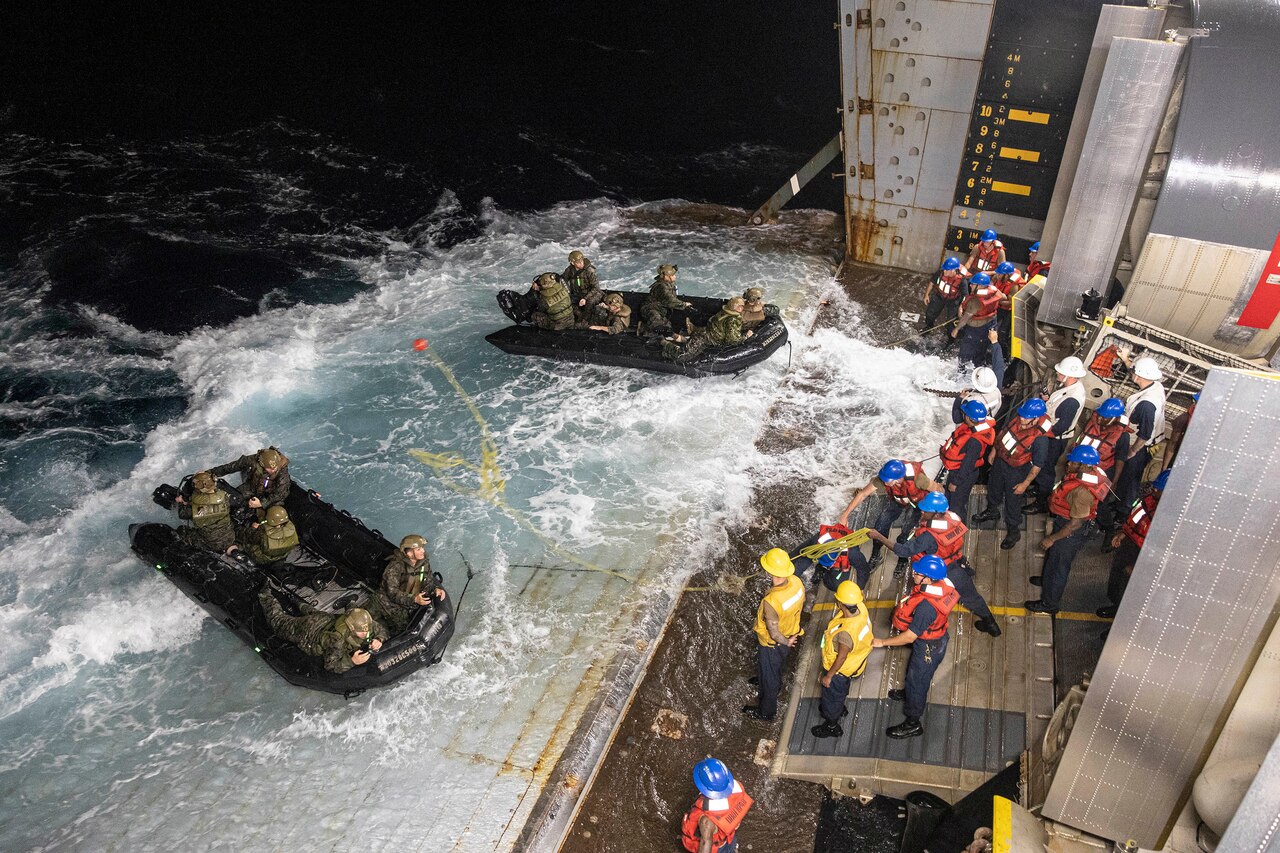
x: 1020, y: 154
x: 960, y: 608
x: 1029, y: 116
x: 1011, y: 189
x: 1001, y: 825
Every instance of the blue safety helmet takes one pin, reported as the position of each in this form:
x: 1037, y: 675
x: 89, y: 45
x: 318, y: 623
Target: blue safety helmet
x: 1112, y: 407
x: 892, y: 470
x: 1034, y: 247
x: 827, y: 560
x: 713, y: 779
x: 951, y: 264
x: 1005, y: 268
x: 1032, y: 408
x: 1195, y: 398
x: 988, y: 235
x: 980, y: 279
x: 1083, y: 455
x: 1161, y: 481
x: 974, y: 409
x: 934, y: 502
x: 931, y: 566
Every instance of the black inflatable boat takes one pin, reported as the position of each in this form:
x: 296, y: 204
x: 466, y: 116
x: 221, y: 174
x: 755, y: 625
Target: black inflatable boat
x: 630, y: 349
x: 345, y: 560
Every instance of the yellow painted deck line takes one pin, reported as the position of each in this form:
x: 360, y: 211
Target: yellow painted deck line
x: 998, y: 611
x: 1001, y: 825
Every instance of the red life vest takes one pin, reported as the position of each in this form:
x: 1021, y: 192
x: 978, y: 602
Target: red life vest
x: 1014, y: 446
x: 905, y: 491
x: 941, y: 594
x: 948, y: 531
x: 989, y: 258
x: 1038, y: 267
x: 726, y: 814
x: 1103, y: 438
x: 1139, y: 520
x: 952, y: 451
x: 1010, y: 284
x: 827, y: 532
x: 988, y: 300
x: 1094, y: 480
x: 948, y: 283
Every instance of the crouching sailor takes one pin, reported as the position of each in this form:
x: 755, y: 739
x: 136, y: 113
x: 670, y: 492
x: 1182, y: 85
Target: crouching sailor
x: 921, y: 617
x: 711, y: 824
x: 777, y: 630
x: 845, y: 645
x: 343, y: 642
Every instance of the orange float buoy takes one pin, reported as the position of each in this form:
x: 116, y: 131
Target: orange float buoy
x: 420, y: 344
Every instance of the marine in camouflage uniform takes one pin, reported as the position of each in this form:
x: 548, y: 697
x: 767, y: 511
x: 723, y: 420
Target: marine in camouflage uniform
x: 555, y: 309
x: 661, y: 300
x: 271, y: 541
x: 611, y: 315
x: 584, y: 284
x: 407, y: 584
x: 724, y: 329
x: 753, y: 309
x: 264, y: 476
x: 209, y: 512
x: 336, y: 639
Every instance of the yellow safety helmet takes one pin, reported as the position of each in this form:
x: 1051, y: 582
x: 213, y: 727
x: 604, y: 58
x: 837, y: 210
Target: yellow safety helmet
x: 777, y: 563
x: 849, y: 593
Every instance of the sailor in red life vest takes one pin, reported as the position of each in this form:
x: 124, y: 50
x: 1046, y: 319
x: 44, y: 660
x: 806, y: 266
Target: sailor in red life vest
x: 1108, y: 433
x: 987, y: 253
x: 711, y: 824
x: 964, y: 452
x: 777, y: 630
x: 1128, y: 542
x: 1064, y: 400
x: 941, y: 533
x: 1035, y: 266
x: 921, y: 619
x: 943, y: 293
x: 1017, y: 457
x: 1008, y: 280
x: 833, y: 569
x: 1073, y: 506
x: 904, y: 484
x: 977, y: 317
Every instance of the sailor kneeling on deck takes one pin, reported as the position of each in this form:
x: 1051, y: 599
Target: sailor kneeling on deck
x: 921, y: 617
x: 777, y: 630
x: 845, y: 645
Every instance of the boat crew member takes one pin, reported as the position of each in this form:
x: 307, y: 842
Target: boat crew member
x: 986, y: 388
x: 904, y: 483
x: 977, y: 318
x: 921, y: 620
x: 777, y: 630
x: 942, y: 534
x: 1035, y: 266
x: 264, y: 477
x: 753, y: 308
x: 662, y: 299
x: 1128, y: 543
x: 964, y: 452
x: 209, y: 512
x: 584, y: 284
x: 555, y: 308
x: 1145, y: 411
x: 987, y: 253
x: 845, y: 645
x: 609, y: 315
x: 1177, y: 430
x: 343, y: 641
x: 270, y: 541
x: 1019, y: 454
x: 711, y: 824
x: 1073, y: 507
x: 1063, y: 401
x: 723, y: 330
x: 407, y: 584
x: 1008, y: 280
x: 1108, y: 433
x: 837, y: 567
x: 943, y: 293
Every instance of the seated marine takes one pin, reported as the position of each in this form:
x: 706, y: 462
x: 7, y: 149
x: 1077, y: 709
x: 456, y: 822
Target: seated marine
x: 407, y: 584
x: 753, y: 310
x: 610, y: 315
x: 662, y: 299
x: 343, y: 642
x: 264, y: 477
x: 584, y: 284
x: 554, y: 308
x: 270, y: 541
x: 724, y: 329
x: 209, y: 512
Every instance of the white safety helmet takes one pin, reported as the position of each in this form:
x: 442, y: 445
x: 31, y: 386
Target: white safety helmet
x: 1147, y: 368
x: 984, y: 379
x: 1070, y: 366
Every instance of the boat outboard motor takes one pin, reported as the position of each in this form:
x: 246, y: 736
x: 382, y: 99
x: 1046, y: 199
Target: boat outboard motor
x: 1090, y: 305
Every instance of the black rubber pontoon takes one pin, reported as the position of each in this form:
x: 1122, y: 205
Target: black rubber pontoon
x: 631, y: 350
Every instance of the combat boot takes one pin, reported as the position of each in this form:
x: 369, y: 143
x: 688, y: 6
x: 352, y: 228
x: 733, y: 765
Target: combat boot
x: 987, y: 516
x: 910, y: 727
x: 827, y: 729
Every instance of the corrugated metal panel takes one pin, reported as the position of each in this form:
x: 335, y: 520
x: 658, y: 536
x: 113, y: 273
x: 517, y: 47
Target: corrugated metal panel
x: 1198, y: 608
x: 1131, y: 103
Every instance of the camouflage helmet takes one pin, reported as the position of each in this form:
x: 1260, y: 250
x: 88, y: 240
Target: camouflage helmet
x: 546, y: 278
x: 359, y: 621
x: 736, y: 304
x: 413, y: 540
x: 576, y: 257
x: 269, y: 457
x: 615, y: 299
x: 668, y: 269
x: 276, y: 516
x: 204, y: 482
x: 753, y: 294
